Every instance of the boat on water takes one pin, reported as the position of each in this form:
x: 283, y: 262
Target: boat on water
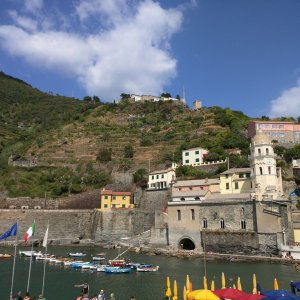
x: 77, y: 254
x: 146, y: 268
x: 98, y: 258
x: 117, y: 270
x: 117, y: 262
x: 5, y: 256
x: 31, y: 253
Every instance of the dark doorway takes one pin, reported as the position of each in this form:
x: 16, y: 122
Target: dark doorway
x: 186, y: 244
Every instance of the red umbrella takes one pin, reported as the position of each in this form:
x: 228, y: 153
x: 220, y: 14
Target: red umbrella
x: 230, y: 293
x: 251, y: 297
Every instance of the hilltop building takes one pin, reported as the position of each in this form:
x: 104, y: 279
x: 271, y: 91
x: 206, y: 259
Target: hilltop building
x: 144, y: 98
x: 197, y: 104
x: 282, y: 132
x: 245, y: 213
x: 193, y: 156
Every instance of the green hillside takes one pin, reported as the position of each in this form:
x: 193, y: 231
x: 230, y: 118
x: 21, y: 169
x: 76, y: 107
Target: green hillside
x: 80, y: 145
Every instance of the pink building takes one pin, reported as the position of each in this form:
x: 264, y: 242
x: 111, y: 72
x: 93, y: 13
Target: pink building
x: 282, y: 132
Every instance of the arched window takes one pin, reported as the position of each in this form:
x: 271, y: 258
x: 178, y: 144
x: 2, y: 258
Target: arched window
x: 260, y: 171
x: 193, y: 214
x: 178, y: 215
x: 242, y: 211
x: 182, y: 199
x: 222, y: 223
x: 269, y: 170
x: 204, y: 223
x: 197, y: 198
x: 243, y: 224
x: 267, y: 151
x: 259, y: 151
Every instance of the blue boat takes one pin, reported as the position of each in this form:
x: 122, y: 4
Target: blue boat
x: 117, y: 270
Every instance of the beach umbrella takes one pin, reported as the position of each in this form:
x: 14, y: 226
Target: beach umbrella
x: 276, y: 287
x: 239, y: 284
x: 280, y: 295
x: 168, y: 291
x: 229, y: 293
x: 204, y: 283
x: 212, y: 286
x: 202, y: 295
x: 175, y: 291
x: 184, y: 293
x: 223, y: 281
x: 187, y: 283
x: 234, y: 286
x: 191, y: 286
x: 254, y: 285
x: 251, y: 297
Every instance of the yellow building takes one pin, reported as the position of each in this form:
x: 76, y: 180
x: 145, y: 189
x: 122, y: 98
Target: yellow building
x: 111, y: 200
x: 236, y: 181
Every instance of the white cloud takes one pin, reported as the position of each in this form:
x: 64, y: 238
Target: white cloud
x: 287, y: 104
x: 130, y: 55
x: 33, y: 5
x: 24, y: 22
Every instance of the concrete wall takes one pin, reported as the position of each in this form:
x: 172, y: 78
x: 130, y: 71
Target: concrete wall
x: 82, y: 224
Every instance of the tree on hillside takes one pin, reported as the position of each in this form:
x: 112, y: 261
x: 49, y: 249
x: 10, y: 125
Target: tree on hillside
x: 128, y: 151
x: 125, y: 96
x: 140, y: 178
x: 104, y: 155
x: 166, y: 95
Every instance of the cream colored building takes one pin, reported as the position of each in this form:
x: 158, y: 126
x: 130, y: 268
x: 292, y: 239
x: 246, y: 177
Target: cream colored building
x: 158, y: 180
x: 236, y: 181
x: 193, y: 156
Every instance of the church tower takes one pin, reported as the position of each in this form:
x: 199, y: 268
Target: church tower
x: 266, y: 177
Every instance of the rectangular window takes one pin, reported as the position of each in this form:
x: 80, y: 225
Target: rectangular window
x: 197, y: 152
x: 193, y: 214
x: 226, y: 176
x: 186, y: 153
x: 178, y: 215
x: 236, y: 185
x: 114, y: 197
x: 162, y: 176
x: 105, y: 205
x: 124, y: 198
x: 113, y: 206
x: 123, y: 205
x: 187, y: 161
x: 157, y: 176
x: 197, y: 159
x: 152, y: 176
x: 106, y: 197
x: 227, y: 185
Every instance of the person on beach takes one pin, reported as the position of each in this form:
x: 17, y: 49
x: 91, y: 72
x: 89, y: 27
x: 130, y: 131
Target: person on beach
x: 112, y: 296
x: 85, y: 289
x: 26, y: 296
x: 102, y: 295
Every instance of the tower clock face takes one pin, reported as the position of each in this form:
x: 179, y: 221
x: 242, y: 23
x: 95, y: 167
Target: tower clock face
x: 269, y: 162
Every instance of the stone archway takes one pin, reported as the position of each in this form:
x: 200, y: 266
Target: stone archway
x: 186, y: 244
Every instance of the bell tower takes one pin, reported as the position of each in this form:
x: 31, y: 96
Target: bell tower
x: 266, y: 177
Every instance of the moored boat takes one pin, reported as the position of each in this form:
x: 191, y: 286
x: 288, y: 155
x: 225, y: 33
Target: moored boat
x: 98, y: 258
x: 77, y: 254
x: 146, y: 268
x: 5, y: 256
x: 117, y: 270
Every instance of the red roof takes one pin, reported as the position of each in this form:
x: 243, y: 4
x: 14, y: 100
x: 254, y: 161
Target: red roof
x: 112, y: 193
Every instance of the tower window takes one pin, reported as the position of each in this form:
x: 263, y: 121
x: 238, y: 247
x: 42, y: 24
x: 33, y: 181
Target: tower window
x: 204, y: 223
x: 260, y: 170
x: 267, y: 151
x: 243, y: 224
x: 222, y: 223
x: 193, y: 214
x: 259, y: 151
x: 236, y: 185
x: 227, y: 185
x: 242, y: 211
x: 269, y: 170
x: 178, y: 215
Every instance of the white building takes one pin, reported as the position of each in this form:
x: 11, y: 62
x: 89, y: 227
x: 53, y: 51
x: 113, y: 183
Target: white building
x: 193, y: 156
x: 163, y: 179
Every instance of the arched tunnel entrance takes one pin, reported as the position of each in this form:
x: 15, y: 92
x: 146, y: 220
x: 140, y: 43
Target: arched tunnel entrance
x: 187, y: 244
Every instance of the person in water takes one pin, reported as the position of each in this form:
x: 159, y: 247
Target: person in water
x: 26, y: 296
x: 85, y: 289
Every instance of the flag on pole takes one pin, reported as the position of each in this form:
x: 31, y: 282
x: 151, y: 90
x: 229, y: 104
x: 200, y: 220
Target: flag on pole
x: 11, y: 232
x: 45, y: 238
x: 29, y: 232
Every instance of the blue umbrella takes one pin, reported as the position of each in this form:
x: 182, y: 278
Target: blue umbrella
x: 279, y: 295
x: 295, y: 286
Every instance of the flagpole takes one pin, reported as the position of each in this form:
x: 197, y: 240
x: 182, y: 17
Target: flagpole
x: 46, y: 245
x: 14, y: 263
x: 27, y: 290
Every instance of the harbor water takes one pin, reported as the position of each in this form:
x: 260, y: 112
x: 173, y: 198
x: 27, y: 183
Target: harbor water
x: 60, y: 280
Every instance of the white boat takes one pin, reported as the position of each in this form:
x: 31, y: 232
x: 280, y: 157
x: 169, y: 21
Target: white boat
x: 147, y: 268
x: 77, y: 254
x: 98, y: 258
x: 29, y: 253
x: 101, y: 268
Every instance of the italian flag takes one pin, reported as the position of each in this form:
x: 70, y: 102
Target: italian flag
x: 29, y: 232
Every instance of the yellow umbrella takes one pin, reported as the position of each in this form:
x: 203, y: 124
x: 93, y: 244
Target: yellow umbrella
x: 223, y: 281
x: 254, y: 285
x: 276, y: 287
x: 239, y: 284
x: 202, y: 295
x: 212, y: 286
x: 184, y: 293
x: 187, y: 284
x: 175, y: 291
x: 168, y: 292
x: 204, y: 283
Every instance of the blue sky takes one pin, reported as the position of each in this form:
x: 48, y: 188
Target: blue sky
x: 232, y: 53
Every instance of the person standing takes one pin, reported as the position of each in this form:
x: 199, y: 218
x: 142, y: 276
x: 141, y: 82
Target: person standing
x: 112, y: 296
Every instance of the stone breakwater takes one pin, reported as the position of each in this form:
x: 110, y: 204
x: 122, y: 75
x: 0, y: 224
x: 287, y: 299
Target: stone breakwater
x: 84, y: 226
